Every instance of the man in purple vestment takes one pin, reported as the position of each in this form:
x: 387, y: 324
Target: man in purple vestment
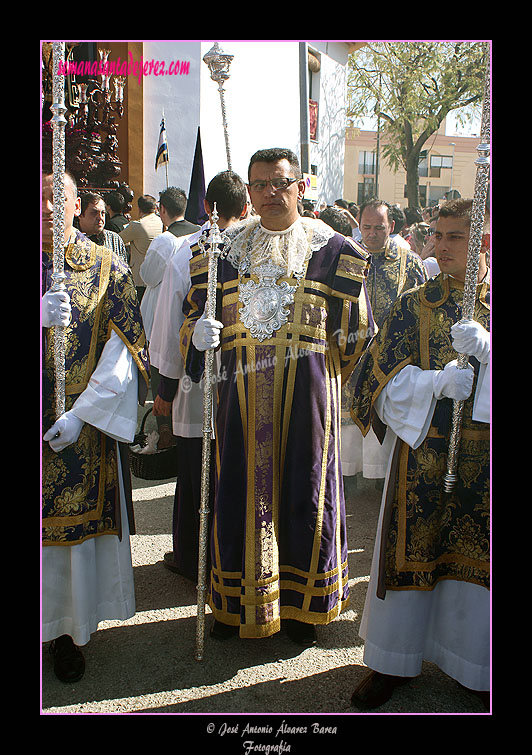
x: 292, y: 320
x: 87, y: 573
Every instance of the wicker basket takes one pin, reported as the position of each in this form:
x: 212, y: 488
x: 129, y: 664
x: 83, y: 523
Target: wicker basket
x: 161, y: 465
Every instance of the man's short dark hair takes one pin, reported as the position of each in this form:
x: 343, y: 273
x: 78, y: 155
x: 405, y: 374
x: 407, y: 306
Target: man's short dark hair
x: 375, y: 204
x: 336, y: 219
x: 89, y: 197
x: 229, y: 192
x: 457, y: 208
x: 116, y: 201
x: 174, y: 201
x: 273, y: 155
x: 147, y: 203
x: 399, y: 218
x: 413, y: 215
x: 462, y: 208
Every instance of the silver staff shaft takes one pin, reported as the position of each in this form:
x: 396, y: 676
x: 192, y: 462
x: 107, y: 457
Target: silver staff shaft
x: 471, y: 277
x: 213, y: 252
x: 58, y: 167
x: 224, y: 121
x: 219, y: 62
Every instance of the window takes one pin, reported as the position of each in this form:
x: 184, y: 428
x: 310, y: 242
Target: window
x: 314, y: 85
x: 366, y: 190
x: 366, y: 163
x: 423, y: 169
x: 441, y: 161
x: 437, y: 162
x: 313, y: 120
x: 422, y: 194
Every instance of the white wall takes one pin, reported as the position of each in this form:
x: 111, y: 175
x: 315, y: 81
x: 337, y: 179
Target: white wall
x: 262, y: 98
x: 262, y: 103
x: 329, y: 151
x: 177, y: 95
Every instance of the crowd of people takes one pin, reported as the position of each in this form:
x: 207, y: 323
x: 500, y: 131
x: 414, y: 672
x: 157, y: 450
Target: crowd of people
x: 336, y: 337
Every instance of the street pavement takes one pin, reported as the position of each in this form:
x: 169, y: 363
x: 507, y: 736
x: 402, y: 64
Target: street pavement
x: 146, y: 665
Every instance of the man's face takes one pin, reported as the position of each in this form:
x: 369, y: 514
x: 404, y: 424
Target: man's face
x: 276, y: 207
x: 93, y: 219
x: 375, y: 227
x: 72, y: 207
x: 451, y: 242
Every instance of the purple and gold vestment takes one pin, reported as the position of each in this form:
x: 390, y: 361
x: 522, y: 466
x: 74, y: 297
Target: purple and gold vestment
x: 80, y: 484
x: 429, y: 536
x: 278, y: 539
x: 392, y: 271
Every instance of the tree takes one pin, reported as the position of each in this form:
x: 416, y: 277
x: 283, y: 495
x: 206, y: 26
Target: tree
x: 411, y: 87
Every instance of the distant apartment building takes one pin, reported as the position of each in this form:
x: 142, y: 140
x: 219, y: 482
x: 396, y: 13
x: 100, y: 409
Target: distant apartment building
x: 448, y: 162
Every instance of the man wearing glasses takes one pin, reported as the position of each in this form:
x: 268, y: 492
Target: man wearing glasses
x: 292, y: 320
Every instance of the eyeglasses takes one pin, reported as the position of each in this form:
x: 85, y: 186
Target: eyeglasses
x: 276, y: 184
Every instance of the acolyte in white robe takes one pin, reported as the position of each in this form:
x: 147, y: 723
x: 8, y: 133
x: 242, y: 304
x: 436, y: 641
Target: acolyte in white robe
x: 365, y: 453
x: 93, y: 581
x: 449, y: 625
x: 165, y: 353
x: 158, y: 256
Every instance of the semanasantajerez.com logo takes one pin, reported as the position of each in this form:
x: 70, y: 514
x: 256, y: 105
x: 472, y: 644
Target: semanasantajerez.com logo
x: 124, y: 68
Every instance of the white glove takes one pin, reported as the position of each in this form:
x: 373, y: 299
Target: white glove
x: 64, y: 432
x: 206, y: 333
x: 55, y: 309
x: 469, y: 337
x: 453, y: 382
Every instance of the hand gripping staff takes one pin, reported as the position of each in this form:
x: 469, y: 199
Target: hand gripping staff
x: 209, y: 243
x: 473, y: 253
x: 58, y: 168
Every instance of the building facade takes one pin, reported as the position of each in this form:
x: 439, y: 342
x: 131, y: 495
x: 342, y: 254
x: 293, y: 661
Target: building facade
x: 279, y: 94
x: 448, y: 162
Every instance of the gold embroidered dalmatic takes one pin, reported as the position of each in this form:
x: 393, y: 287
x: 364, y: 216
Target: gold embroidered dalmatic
x: 80, y: 484
x: 429, y: 535
x: 278, y: 544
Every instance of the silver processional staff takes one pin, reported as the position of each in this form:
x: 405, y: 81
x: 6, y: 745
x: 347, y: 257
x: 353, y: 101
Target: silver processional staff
x: 471, y: 277
x: 218, y: 62
x: 58, y: 168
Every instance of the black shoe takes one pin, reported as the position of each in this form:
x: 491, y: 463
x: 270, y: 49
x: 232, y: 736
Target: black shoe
x: 69, y: 663
x: 300, y: 633
x: 171, y: 565
x: 223, y: 631
x: 376, y: 689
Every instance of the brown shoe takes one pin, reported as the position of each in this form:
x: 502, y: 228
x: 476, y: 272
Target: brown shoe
x: 376, y: 689
x: 166, y: 438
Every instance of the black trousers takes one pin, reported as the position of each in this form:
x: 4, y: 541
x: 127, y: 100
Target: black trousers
x: 187, y: 500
